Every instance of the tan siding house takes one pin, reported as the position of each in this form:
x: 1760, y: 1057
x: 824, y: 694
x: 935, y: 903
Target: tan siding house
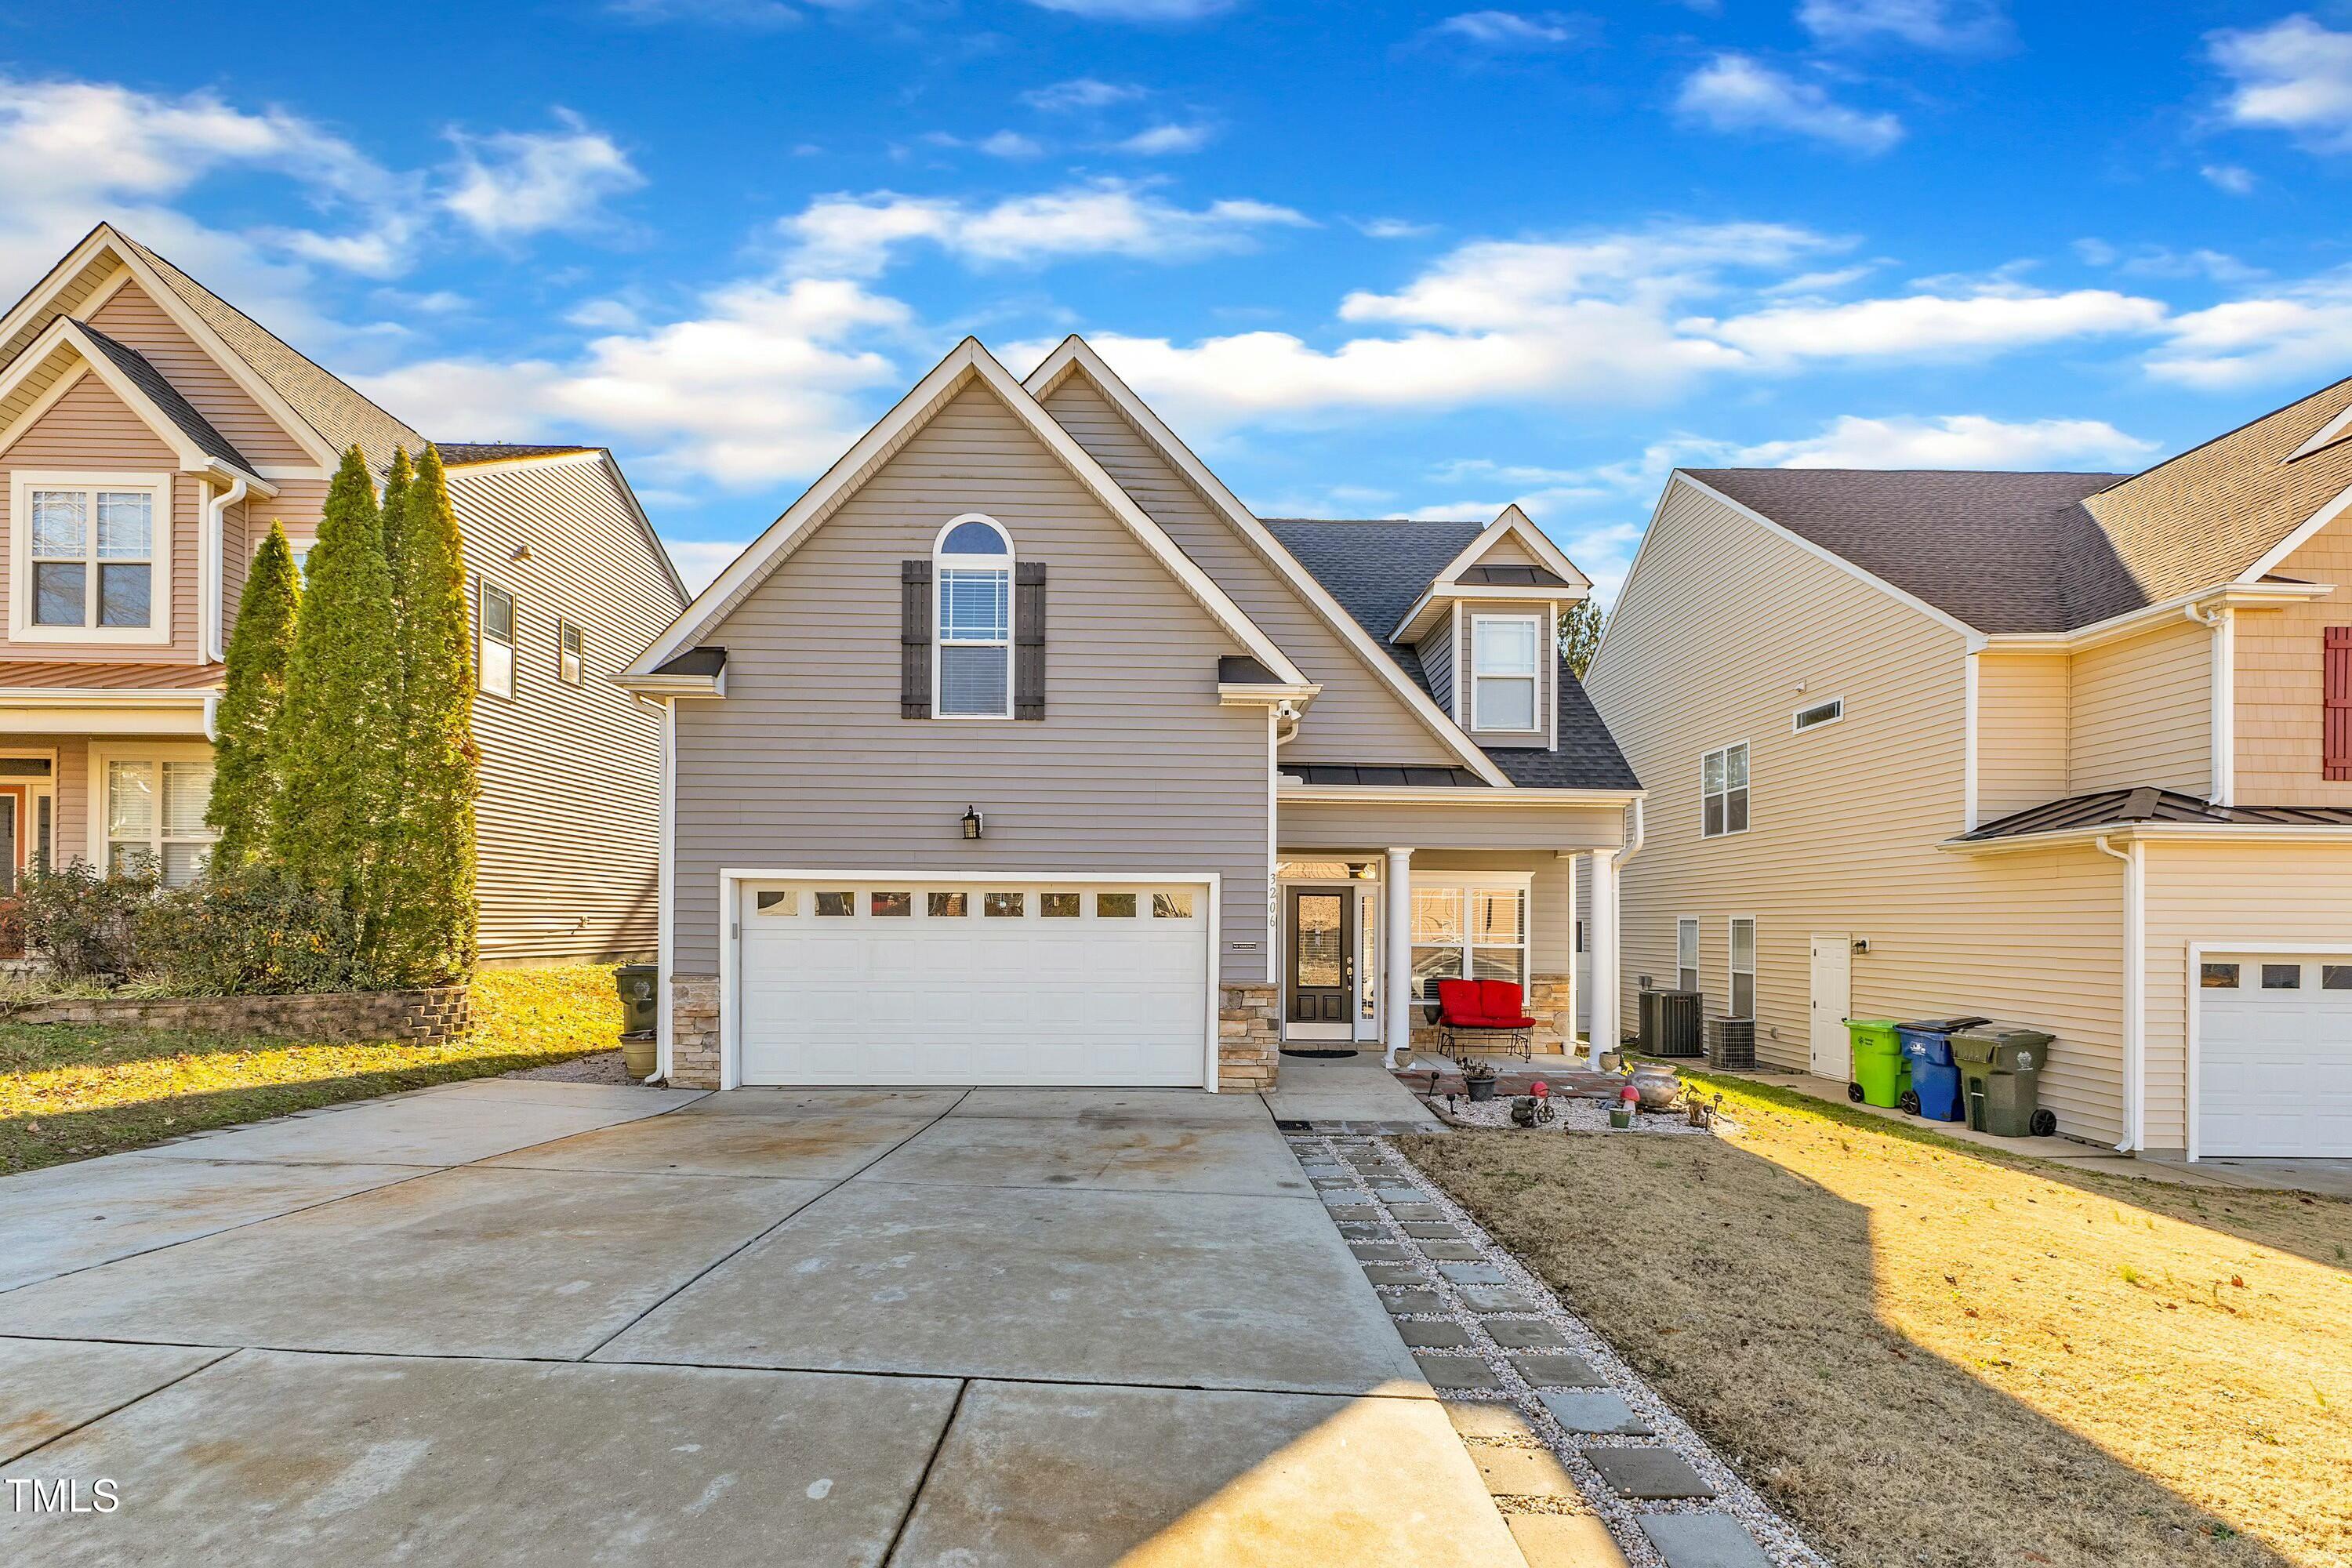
x: 1020, y: 751
x: 2078, y: 775
x: 160, y: 433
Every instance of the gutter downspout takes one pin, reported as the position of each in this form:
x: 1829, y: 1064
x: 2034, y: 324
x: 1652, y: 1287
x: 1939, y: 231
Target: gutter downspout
x: 2134, y: 861
x: 666, y: 895
x: 210, y: 612
x: 2222, y: 621
x: 1610, y: 989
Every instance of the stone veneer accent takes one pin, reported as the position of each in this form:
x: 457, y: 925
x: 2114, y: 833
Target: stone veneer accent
x: 694, y: 1031
x: 436, y: 1012
x: 1249, y: 1037
x: 1552, y: 1002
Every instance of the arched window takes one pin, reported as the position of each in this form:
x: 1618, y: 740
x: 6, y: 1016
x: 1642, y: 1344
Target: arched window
x: 972, y: 562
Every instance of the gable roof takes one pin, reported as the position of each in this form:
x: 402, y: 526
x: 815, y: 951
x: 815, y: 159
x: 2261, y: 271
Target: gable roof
x: 1074, y: 356
x: 456, y: 454
x: 1999, y: 552
x: 66, y: 350
x: 166, y: 397
x: 1377, y: 567
x: 967, y: 364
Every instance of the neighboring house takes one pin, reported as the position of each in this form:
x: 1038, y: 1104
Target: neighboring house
x: 150, y: 434
x: 2073, y: 750
x: 1019, y: 751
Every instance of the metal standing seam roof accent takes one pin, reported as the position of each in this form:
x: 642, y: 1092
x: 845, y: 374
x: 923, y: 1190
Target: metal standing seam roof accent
x: 166, y: 397
x: 1377, y: 567
x: 1407, y: 776
x: 2129, y: 807
x: 1511, y: 576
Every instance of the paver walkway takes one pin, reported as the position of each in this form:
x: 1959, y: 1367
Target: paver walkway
x: 542, y: 1322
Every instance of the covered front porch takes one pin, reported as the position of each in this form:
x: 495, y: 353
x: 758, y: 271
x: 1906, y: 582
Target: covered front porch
x: 1379, y: 893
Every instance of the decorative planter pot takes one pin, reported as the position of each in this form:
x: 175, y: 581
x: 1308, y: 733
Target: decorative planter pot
x: 1622, y: 1116
x: 1479, y: 1088
x: 640, y: 1053
x: 1657, y: 1085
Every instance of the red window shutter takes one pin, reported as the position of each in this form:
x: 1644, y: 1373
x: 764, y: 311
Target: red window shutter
x: 2335, y: 758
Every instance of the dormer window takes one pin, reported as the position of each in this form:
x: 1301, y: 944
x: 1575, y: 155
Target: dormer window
x: 973, y: 562
x: 1506, y: 665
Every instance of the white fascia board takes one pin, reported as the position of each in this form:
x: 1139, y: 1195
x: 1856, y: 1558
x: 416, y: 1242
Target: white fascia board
x: 1633, y: 572
x: 1075, y: 354
x: 69, y: 267
x: 1257, y: 693
x: 2335, y: 508
x: 2337, y: 429
x: 611, y: 467
x: 65, y: 333
x: 1363, y: 795
x: 1975, y: 639
x: 1511, y: 521
x: 968, y: 362
x: 662, y: 687
x: 2132, y: 623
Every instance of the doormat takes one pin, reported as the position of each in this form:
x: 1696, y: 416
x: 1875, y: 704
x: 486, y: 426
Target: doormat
x: 1302, y: 1051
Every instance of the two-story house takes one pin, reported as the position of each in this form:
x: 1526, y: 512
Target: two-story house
x: 2071, y: 750
x: 1020, y: 751
x: 149, y: 434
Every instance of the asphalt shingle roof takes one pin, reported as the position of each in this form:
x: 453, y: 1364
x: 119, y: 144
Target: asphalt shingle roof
x: 1377, y: 567
x: 167, y: 397
x: 456, y: 453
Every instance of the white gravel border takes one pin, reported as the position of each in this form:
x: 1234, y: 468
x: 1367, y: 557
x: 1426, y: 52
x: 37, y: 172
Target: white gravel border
x: 1778, y: 1539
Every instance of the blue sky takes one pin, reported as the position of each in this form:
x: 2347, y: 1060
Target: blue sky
x: 1370, y: 259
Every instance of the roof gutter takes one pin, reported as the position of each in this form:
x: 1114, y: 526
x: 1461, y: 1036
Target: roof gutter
x: 2196, y: 605
x: 2159, y: 832
x: 2135, y: 860
x: 666, y: 687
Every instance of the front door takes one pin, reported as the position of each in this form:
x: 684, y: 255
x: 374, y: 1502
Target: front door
x: 1319, y: 935
x: 1832, y: 1055
x: 14, y: 822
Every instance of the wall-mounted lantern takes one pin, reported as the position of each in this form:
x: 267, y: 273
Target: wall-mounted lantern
x: 971, y: 822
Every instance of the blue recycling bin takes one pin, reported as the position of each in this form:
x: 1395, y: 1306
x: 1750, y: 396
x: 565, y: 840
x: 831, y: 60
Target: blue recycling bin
x: 1935, y: 1077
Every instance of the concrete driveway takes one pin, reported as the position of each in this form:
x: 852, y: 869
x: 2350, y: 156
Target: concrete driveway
x: 529, y: 1321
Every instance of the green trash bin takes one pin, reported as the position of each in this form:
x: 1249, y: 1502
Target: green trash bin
x: 2001, y: 1079
x: 1881, y: 1075
x: 637, y: 984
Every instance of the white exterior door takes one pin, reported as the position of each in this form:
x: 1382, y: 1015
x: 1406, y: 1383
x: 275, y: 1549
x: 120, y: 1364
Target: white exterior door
x: 1832, y: 1054
x: 916, y: 980
x: 2274, y: 1054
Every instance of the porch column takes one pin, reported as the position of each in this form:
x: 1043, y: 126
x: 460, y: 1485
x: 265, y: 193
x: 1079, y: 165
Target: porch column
x: 1399, y: 924
x: 1600, y: 936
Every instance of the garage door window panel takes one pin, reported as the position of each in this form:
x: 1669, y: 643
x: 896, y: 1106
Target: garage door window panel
x: 836, y: 905
x: 949, y: 906
x: 1006, y: 906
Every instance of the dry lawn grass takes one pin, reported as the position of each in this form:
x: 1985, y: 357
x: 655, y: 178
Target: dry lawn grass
x: 1925, y: 1357
x: 69, y: 1093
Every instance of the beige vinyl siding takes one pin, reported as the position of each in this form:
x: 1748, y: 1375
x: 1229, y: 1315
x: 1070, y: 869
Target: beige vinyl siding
x: 66, y: 301
x: 2280, y: 685
x: 1507, y: 550
x: 2247, y: 895
x: 1549, y: 944
x: 1547, y: 672
x: 1356, y: 719
x: 568, y: 820
x: 2021, y: 723
x: 132, y: 317
x: 1711, y: 637
x: 1375, y: 825
x: 89, y: 430
x: 2142, y: 712
x: 1135, y: 768
x: 1436, y: 651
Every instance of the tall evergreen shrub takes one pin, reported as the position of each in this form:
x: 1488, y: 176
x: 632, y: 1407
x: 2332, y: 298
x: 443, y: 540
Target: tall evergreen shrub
x: 243, y: 803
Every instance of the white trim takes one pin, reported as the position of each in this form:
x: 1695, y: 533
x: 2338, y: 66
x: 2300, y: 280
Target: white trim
x: 157, y: 633
x: 1698, y: 953
x: 1075, y: 353
x: 2135, y: 859
x: 1266, y: 694
x: 666, y: 895
x: 1649, y: 532
x: 1534, y: 678
x: 2223, y: 726
x: 1273, y: 848
x: 1366, y: 794
x: 1454, y: 665
x: 2196, y: 952
x: 1731, y: 973
x: 999, y: 565
x: 2327, y: 434
x: 212, y: 606
x: 131, y: 750
x: 966, y: 363
x: 1396, y: 955
x: 1748, y: 789
x: 293, y: 471
x: 2157, y: 616
x: 2161, y: 832
x: 731, y: 904
x: 1971, y: 704
x: 1796, y: 714
x: 20, y: 372
x: 1510, y: 520
x: 485, y: 583
x: 2276, y: 555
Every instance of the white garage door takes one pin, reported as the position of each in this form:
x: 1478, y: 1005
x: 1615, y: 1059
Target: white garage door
x: 916, y: 982
x: 2274, y: 1054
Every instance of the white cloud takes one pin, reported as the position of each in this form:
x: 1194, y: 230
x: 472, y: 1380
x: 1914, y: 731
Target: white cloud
x: 2293, y: 76
x: 699, y: 561
x: 756, y: 15
x: 1395, y: 229
x: 1163, y: 140
x: 515, y: 183
x: 1930, y: 324
x: 1081, y: 92
x: 1734, y: 93
x: 1812, y: 283
x: 1010, y: 144
x: 772, y: 381
x: 2163, y: 261
x: 1953, y: 26
x: 1953, y: 441
x: 2300, y: 332
x: 857, y: 236
x: 2229, y: 177
x: 1136, y: 10
x: 1513, y: 30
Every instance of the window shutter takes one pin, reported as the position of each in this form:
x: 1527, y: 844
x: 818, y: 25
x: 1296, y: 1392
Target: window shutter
x: 2335, y: 657
x: 1029, y: 640
x: 914, y: 639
